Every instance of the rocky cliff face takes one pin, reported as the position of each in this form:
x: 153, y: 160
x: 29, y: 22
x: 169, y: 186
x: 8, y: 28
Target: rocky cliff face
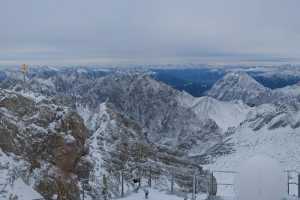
x: 48, y: 139
x: 119, y: 144
x: 274, y: 108
x: 125, y: 122
x: 158, y: 108
x: 66, y: 128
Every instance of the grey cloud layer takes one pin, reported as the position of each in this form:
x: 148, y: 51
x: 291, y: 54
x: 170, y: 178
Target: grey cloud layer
x: 73, y: 30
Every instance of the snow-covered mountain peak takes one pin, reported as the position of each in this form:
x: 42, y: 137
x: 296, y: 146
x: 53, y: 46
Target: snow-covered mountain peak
x: 225, y: 114
x: 127, y: 112
x: 240, y: 86
x: 241, y: 79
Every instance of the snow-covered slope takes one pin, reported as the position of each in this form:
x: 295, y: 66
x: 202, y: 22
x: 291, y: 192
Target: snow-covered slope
x: 225, y: 114
x: 281, y: 144
x: 110, y: 148
x: 119, y: 143
x: 129, y: 112
x: 163, y: 112
x: 11, y: 184
x: 292, y: 90
x: 40, y: 143
x: 267, y: 129
x: 240, y: 86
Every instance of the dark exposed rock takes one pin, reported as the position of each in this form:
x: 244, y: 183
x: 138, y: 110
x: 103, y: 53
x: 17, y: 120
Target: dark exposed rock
x: 42, y: 133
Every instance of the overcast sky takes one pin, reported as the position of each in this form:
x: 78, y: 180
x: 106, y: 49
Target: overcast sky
x: 112, y: 31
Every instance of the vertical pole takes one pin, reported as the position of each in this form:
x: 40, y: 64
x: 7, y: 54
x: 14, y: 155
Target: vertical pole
x: 150, y: 177
x: 172, y: 183
x: 83, y: 191
x: 194, y: 187
x: 288, y: 182
x: 140, y: 179
x: 212, y: 182
x: 197, y: 183
x: 122, y: 183
x: 24, y: 87
x: 140, y: 160
x: 298, y: 185
x: 208, y: 186
x: 24, y: 69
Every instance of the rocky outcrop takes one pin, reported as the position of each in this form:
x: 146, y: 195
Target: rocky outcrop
x: 119, y: 144
x: 163, y: 112
x: 134, y: 123
x: 48, y: 138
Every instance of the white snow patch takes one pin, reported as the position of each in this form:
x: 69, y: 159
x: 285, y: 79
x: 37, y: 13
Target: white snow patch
x: 22, y: 191
x: 281, y: 144
x: 10, y: 186
x: 260, y: 178
x: 225, y: 114
x: 34, y: 96
x: 69, y: 139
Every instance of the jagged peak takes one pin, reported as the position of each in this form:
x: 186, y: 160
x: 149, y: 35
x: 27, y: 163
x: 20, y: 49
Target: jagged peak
x: 239, y: 78
x: 240, y: 86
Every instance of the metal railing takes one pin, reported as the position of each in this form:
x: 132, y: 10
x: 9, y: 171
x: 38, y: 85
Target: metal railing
x: 290, y: 179
x: 224, y: 172
x: 289, y: 182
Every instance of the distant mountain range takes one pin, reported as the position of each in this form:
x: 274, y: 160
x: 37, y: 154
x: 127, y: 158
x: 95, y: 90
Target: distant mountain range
x: 197, y: 81
x: 65, y: 128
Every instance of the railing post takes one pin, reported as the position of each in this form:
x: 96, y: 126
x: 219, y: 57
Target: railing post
x: 150, y: 177
x: 83, y: 185
x: 212, y: 182
x: 172, y: 183
x: 288, y: 182
x: 194, y: 187
x: 298, y: 185
x: 122, y: 183
x: 83, y: 193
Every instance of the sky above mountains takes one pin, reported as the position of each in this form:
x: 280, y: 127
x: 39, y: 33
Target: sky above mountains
x: 128, y: 31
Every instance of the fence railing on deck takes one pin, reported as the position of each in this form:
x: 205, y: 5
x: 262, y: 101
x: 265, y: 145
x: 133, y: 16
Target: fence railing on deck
x: 195, y: 177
